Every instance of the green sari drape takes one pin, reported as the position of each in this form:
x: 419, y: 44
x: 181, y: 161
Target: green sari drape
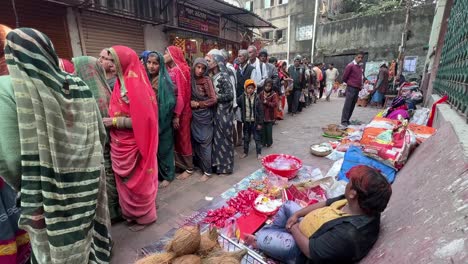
x: 91, y: 72
x: 166, y: 104
x: 10, y: 152
x: 63, y: 197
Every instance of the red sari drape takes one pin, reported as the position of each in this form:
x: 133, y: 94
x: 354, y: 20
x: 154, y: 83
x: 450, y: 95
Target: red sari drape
x: 133, y: 151
x: 180, y: 75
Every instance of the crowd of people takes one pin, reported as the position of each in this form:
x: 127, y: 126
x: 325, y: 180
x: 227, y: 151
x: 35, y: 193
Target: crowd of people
x: 89, y: 141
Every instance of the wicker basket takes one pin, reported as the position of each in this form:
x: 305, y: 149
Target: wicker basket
x: 337, y: 133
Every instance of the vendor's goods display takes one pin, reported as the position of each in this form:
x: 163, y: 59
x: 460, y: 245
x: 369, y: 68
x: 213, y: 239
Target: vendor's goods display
x: 321, y: 150
x: 332, y: 131
x: 209, y: 242
x: 241, y: 203
x: 186, y: 241
x: 219, y: 257
x: 189, y: 247
x: 266, y: 205
x: 159, y: 258
x: 282, y: 165
x: 187, y: 259
x: 354, y: 156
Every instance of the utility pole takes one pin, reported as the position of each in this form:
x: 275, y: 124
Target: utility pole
x: 312, y: 50
x: 404, y: 36
x: 289, y: 37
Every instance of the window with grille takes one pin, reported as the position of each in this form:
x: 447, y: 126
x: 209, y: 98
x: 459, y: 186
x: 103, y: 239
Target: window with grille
x: 267, y: 35
x: 409, y: 65
x: 304, y: 32
x: 269, y: 3
x: 281, y: 35
x: 281, y: 2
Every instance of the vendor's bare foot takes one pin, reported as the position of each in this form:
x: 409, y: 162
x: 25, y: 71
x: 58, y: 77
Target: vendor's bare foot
x: 259, y: 157
x: 184, y: 175
x: 164, y: 184
x: 250, y: 240
x: 243, y: 156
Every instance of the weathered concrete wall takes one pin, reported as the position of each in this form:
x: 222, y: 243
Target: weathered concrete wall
x: 379, y: 35
x: 302, y: 13
x: 426, y: 220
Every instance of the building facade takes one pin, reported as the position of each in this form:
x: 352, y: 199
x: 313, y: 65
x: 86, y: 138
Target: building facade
x: 85, y: 27
x: 338, y: 38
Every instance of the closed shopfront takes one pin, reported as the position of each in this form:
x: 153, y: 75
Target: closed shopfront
x: 47, y: 17
x: 102, y: 31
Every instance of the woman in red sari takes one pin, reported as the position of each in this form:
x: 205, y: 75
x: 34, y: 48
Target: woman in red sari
x: 180, y: 75
x: 133, y: 126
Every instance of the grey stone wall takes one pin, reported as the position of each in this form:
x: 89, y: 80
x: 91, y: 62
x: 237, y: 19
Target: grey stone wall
x: 378, y: 35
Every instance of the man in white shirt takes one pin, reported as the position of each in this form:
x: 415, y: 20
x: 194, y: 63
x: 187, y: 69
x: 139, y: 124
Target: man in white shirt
x: 259, y: 74
x: 331, y: 74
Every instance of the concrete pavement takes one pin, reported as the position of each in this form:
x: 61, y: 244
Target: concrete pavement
x: 292, y: 136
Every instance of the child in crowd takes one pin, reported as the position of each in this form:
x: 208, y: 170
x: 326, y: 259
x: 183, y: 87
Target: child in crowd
x: 252, y: 117
x: 270, y: 103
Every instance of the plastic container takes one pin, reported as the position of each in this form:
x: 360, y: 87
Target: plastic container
x: 288, y: 173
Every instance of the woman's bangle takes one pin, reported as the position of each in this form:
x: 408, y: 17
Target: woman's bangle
x: 114, y: 122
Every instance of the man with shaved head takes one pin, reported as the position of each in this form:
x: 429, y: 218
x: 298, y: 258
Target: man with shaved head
x: 260, y: 73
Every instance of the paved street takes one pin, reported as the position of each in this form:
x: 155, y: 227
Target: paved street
x: 291, y: 136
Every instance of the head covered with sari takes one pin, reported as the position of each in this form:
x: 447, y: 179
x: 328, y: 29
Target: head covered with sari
x: 166, y: 97
x: 90, y: 70
x: 178, y: 58
x: 61, y: 192
x: 134, y: 151
x: 220, y: 61
x: 201, y: 61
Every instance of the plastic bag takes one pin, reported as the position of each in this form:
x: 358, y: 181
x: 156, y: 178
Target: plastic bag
x: 335, y: 169
x: 420, y: 116
x: 335, y: 155
x: 337, y: 189
x: 283, y: 163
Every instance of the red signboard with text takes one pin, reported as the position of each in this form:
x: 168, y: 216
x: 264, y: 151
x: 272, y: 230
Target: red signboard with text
x: 197, y: 20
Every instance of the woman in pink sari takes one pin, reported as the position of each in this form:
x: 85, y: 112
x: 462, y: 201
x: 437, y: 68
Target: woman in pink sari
x: 180, y: 75
x: 133, y: 126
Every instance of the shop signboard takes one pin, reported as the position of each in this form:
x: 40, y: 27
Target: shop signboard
x: 197, y: 20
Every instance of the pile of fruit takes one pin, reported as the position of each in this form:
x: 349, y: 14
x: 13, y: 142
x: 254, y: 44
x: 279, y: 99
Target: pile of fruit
x: 188, y: 246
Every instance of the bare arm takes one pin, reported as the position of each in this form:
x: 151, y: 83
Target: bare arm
x: 301, y: 241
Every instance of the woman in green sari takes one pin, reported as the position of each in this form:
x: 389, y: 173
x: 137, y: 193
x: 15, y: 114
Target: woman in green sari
x: 164, y: 90
x: 62, y: 185
x: 92, y: 73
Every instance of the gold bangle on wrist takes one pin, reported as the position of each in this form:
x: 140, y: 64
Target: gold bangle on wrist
x: 114, y: 121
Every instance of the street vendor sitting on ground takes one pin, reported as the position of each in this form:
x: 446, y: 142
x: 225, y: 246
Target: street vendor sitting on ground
x: 340, y: 230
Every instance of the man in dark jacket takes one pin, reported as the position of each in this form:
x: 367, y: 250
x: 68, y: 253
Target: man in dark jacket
x: 251, y: 109
x: 353, y: 76
x: 272, y: 71
x: 297, y: 73
x: 243, y: 73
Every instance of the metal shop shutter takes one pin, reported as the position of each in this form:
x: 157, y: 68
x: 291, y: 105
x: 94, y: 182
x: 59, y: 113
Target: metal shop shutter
x: 49, y: 18
x: 103, y: 31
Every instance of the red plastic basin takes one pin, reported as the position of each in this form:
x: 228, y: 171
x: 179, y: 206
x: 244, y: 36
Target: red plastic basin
x: 287, y: 173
